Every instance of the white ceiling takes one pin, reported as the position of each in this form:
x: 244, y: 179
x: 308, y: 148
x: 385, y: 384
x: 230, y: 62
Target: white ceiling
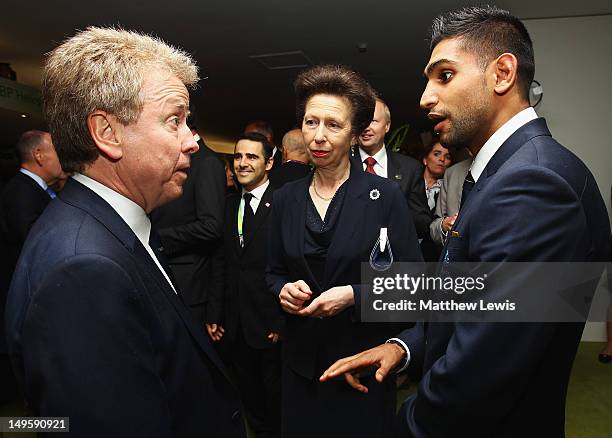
x: 222, y: 35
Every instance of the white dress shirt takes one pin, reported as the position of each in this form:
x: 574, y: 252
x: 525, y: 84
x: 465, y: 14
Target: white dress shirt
x: 481, y: 160
x: 494, y: 142
x: 133, y: 215
x: 41, y: 182
x: 381, y: 167
x: 256, y: 199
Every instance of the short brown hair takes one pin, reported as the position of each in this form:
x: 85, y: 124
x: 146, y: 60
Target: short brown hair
x: 101, y: 69
x: 337, y: 80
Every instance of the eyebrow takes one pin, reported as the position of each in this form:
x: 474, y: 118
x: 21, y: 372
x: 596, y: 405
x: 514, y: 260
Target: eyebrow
x: 431, y: 67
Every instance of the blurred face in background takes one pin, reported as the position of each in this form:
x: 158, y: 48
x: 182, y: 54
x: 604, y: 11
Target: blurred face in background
x: 437, y: 161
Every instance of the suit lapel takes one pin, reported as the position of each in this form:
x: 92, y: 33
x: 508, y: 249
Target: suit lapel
x: 532, y: 129
x: 85, y: 199
x: 394, y: 172
x: 234, y: 205
x: 355, y: 204
x: 263, y: 210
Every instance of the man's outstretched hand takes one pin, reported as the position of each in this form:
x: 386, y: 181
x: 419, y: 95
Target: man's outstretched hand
x: 384, y: 358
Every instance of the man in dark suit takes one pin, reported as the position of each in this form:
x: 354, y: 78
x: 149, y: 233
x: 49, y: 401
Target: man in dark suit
x: 95, y: 327
x: 295, y: 160
x: 525, y: 199
x: 375, y: 158
x: 22, y: 201
x: 242, y: 310
x: 190, y: 227
x: 265, y: 129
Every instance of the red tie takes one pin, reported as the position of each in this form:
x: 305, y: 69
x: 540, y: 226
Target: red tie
x: 370, y: 162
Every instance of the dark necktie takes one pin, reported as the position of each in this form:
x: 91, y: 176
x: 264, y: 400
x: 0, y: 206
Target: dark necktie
x: 468, y: 185
x: 51, y: 192
x: 248, y: 215
x: 370, y: 162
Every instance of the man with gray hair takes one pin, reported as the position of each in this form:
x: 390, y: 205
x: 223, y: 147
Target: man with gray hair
x: 22, y: 201
x: 96, y: 329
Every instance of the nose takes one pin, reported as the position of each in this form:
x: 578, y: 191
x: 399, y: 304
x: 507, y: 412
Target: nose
x: 429, y: 99
x: 190, y: 146
x: 320, y: 133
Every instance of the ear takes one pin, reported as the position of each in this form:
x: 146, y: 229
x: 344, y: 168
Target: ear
x: 269, y: 163
x: 38, y: 155
x: 505, y: 73
x: 105, y: 131
x: 387, y: 127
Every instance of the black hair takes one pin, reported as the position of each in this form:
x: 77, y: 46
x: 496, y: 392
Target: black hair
x: 259, y: 138
x: 488, y: 31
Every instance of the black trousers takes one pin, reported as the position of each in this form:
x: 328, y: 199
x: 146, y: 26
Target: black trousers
x: 333, y: 409
x: 258, y: 376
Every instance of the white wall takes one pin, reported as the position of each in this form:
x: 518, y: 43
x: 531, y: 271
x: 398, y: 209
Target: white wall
x: 574, y: 66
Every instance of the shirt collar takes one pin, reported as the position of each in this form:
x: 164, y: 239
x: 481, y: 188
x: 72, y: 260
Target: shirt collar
x: 498, y: 138
x: 259, y: 191
x: 380, y: 156
x: 41, y: 182
x: 133, y: 215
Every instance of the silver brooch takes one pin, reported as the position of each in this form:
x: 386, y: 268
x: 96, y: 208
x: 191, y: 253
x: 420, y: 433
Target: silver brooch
x: 374, y: 194
x: 267, y: 204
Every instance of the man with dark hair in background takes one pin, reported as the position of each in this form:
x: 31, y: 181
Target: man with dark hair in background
x: 191, y: 227
x: 295, y: 160
x: 374, y: 157
x: 22, y: 201
x: 242, y: 311
x: 525, y: 198
x: 265, y: 129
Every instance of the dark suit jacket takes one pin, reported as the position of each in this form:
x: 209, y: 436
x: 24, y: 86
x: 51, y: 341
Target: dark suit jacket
x: 535, y: 201
x: 97, y: 334
x: 311, y: 344
x: 408, y: 174
x: 242, y: 299
x: 289, y: 171
x: 278, y: 159
x: 21, y: 203
x: 191, y: 227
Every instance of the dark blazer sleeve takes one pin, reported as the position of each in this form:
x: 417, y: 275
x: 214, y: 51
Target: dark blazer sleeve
x: 528, y: 219
x: 418, y: 204
x: 217, y: 291
x: 277, y: 274
x: 207, y: 227
x: 104, y: 328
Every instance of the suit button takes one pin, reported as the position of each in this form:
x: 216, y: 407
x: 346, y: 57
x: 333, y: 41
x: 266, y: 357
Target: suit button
x: 236, y: 416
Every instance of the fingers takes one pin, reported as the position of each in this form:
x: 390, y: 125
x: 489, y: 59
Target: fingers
x: 341, y: 366
x: 301, y: 284
x: 293, y: 296
x: 314, y: 309
x: 353, y: 381
x: 215, y: 332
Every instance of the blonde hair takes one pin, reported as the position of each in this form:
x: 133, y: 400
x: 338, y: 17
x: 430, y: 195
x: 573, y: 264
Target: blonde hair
x: 102, y: 69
